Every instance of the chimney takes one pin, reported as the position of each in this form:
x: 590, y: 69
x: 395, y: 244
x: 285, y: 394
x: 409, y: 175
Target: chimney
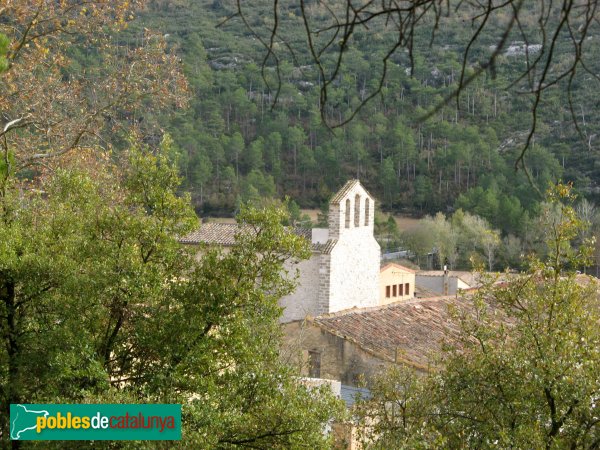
x: 445, y: 291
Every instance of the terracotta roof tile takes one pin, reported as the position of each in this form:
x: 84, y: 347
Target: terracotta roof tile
x: 398, y: 266
x: 327, y: 247
x: 216, y: 233
x: 213, y: 233
x: 411, y: 331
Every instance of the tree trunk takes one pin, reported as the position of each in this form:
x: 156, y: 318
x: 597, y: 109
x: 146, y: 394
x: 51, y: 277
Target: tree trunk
x: 12, y: 346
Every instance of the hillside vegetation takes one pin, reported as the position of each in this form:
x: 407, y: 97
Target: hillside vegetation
x: 242, y: 139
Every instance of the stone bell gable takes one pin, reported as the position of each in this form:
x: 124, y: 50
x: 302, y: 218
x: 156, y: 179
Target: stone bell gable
x: 349, y: 269
x: 351, y: 209
x: 343, y: 270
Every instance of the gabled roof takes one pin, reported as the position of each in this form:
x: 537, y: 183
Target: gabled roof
x: 339, y: 196
x: 397, y: 266
x: 217, y: 233
x: 213, y: 233
x: 411, y: 331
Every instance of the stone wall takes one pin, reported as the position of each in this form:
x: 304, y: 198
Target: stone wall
x: 340, y: 359
x: 345, y: 272
x: 304, y: 300
x: 333, y: 218
x: 324, y: 284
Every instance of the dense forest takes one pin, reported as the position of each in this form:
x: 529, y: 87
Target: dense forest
x: 236, y: 144
x: 253, y: 129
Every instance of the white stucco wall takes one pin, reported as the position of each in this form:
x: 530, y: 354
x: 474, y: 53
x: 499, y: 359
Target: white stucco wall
x: 346, y: 274
x: 319, y: 235
x: 354, y: 270
x: 394, y: 276
x: 303, y: 301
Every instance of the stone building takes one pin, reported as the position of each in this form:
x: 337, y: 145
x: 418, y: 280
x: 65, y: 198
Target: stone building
x: 343, y: 270
x: 355, y: 343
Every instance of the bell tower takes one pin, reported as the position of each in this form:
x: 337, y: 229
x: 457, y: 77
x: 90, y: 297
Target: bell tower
x: 349, y: 270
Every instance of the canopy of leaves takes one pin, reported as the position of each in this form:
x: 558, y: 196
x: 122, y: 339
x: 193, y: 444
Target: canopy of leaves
x: 524, y: 372
x: 99, y: 302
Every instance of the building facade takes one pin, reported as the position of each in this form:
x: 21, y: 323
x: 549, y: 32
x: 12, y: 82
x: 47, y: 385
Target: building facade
x: 396, y: 283
x: 343, y: 270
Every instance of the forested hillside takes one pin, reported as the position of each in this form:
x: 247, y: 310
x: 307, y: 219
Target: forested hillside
x: 235, y: 146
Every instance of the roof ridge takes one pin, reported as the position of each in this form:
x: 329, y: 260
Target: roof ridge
x: 366, y: 309
x: 347, y: 187
x: 399, y: 266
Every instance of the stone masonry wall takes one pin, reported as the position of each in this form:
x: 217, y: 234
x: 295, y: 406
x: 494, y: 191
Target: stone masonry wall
x: 324, y: 284
x: 335, y: 223
x: 340, y: 359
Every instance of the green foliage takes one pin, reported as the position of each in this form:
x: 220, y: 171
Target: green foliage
x: 4, y: 44
x: 460, y: 241
x: 460, y: 157
x: 524, y: 371
x: 100, y: 303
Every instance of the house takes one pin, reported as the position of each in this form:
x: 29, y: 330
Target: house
x: 343, y: 270
x: 396, y: 283
x: 359, y: 342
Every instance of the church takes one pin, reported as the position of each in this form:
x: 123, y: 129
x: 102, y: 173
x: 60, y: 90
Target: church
x: 343, y: 270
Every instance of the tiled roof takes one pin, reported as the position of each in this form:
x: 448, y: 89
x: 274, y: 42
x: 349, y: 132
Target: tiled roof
x: 397, y: 266
x: 217, y: 233
x: 213, y: 233
x: 325, y: 248
x: 410, y: 331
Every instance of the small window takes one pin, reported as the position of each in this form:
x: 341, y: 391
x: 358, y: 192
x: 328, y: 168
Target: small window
x: 347, y: 213
x: 394, y: 289
x: 367, y: 207
x: 400, y: 292
x: 314, y: 364
x: 357, y: 210
x: 407, y: 289
x: 387, y: 291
